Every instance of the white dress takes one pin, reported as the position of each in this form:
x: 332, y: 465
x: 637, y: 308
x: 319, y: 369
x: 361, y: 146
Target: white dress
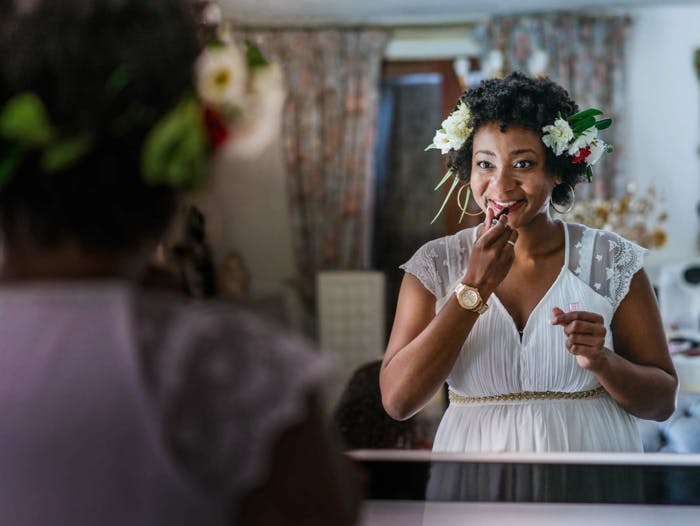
x: 597, y: 272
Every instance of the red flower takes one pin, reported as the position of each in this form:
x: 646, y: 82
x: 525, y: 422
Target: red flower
x: 581, y: 155
x: 217, y: 132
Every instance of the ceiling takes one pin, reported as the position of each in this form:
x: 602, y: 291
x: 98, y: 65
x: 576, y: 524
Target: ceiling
x: 402, y: 12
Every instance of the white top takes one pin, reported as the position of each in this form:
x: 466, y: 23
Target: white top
x: 597, y: 271
x: 123, y: 407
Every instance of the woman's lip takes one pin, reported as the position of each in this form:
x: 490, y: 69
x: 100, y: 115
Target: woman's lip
x: 497, y: 208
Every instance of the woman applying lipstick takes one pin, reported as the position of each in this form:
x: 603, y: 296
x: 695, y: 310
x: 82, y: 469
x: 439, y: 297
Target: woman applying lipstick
x: 484, y: 309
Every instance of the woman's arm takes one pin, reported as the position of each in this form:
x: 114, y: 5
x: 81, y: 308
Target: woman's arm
x: 423, y: 347
x: 639, y: 375
x: 310, y: 482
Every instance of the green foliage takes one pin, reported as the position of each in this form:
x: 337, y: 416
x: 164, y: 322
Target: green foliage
x: 174, y: 152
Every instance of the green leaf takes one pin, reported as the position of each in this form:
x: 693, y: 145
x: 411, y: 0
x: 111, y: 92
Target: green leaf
x: 445, y: 177
x: 253, y: 56
x: 589, y: 174
x: 603, y: 124
x: 466, y: 203
x: 9, y: 162
x: 174, y: 152
x: 65, y: 152
x: 591, y: 112
x: 583, y: 124
x: 24, y: 119
x: 447, y: 198
x: 430, y: 147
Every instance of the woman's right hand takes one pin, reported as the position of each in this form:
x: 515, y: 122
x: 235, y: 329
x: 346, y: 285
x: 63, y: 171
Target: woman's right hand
x: 492, y: 255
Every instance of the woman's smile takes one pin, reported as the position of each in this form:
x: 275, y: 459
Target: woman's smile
x: 497, y: 206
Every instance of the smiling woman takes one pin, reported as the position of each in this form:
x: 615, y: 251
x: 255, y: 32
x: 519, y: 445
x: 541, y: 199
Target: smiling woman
x: 483, y: 309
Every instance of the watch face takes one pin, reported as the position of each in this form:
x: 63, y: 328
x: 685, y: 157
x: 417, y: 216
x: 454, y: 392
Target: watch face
x: 470, y: 298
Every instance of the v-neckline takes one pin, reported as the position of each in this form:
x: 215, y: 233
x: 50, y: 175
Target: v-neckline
x: 520, y: 336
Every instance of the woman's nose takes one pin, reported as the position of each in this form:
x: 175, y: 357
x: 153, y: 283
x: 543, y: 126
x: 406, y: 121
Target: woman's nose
x: 503, y: 179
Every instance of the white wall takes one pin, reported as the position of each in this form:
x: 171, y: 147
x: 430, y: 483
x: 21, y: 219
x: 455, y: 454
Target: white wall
x: 663, y: 120
x: 247, y: 212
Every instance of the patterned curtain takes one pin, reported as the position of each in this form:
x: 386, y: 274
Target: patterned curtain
x: 333, y: 78
x: 583, y: 53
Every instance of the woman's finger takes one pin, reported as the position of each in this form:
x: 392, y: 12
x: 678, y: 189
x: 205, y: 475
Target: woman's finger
x: 512, y: 238
x: 584, y: 327
x: 585, y: 340
x: 564, y: 318
x: 498, y: 233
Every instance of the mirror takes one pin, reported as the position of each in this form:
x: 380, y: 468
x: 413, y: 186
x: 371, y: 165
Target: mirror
x: 660, y: 101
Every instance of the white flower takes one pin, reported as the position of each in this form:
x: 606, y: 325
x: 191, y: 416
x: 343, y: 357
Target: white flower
x: 442, y: 141
x: 557, y: 136
x: 212, y: 14
x: 261, y: 113
x: 455, y: 130
x: 583, y: 140
x: 598, y: 148
x: 221, y: 74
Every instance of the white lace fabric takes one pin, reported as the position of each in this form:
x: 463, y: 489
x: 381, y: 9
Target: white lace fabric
x: 228, y: 385
x: 496, y: 359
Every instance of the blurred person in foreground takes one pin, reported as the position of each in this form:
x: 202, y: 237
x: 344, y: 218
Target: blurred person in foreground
x: 122, y: 406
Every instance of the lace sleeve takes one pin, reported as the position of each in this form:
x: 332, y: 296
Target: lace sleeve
x: 615, y: 260
x: 424, y: 265
x: 229, y: 385
x: 628, y: 259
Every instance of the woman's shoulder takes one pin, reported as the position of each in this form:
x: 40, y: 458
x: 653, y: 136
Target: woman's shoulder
x: 604, y: 259
x: 450, y: 242
x: 599, y: 238
x: 212, y: 367
x: 438, y: 261
x: 203, y: 329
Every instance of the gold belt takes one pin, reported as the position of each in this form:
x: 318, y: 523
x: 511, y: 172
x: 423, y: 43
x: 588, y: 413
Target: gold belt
x: 526, y: 395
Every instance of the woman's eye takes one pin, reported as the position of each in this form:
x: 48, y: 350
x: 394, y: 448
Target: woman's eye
x: 523, y: 164
x: 483, y: 164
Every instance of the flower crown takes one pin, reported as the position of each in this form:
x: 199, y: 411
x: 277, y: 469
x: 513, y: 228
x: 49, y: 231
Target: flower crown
x: 237, y: 108
x: 575, y: 136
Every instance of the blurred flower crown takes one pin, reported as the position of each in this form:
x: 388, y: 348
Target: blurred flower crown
x: 575, y: 136
x: 236, y: 109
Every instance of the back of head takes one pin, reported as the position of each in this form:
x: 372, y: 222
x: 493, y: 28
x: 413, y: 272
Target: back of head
x: 103, y: 69
x: 361, y: 419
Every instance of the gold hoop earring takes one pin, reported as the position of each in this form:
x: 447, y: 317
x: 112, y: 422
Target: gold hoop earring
x: 571, y: 200
x: 464, y: 207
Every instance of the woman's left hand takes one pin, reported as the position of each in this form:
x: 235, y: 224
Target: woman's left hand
x: 585, y: 336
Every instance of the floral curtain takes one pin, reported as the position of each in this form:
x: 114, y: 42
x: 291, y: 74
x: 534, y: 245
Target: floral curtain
x: 583, y: 53
x: 332, y: 78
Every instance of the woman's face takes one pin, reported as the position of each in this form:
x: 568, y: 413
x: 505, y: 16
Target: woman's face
x: 508, y: 170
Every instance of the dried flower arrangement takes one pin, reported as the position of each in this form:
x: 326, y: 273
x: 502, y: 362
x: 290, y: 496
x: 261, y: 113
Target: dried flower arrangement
x: 635, y: 216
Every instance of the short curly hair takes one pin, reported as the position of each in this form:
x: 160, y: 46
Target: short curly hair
x: 361, y: 419
x: 524, y: 101
x: 66, y: 52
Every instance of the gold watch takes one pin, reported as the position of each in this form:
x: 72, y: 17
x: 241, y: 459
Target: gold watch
x: 470, y: 299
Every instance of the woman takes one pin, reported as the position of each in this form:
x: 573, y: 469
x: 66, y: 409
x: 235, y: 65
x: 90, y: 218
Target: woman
x: 547, y: 333
x: 122, y: 406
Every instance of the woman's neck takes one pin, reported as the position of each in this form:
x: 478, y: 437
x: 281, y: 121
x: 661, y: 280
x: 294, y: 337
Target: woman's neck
x: 27, y: 261
x: 540, y: 238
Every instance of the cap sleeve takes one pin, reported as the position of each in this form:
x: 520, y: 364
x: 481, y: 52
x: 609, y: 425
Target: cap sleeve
x: 428, y: 264
x: 230, y: 385
x: 627, y: 259
x: 607, y: 262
